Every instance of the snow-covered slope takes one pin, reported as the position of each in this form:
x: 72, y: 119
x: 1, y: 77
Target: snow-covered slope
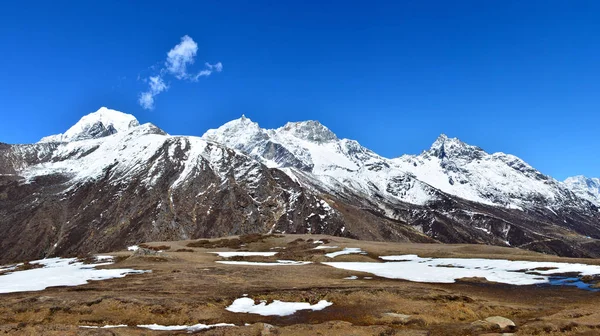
x: 466, y: 171
x: 449, y: 166
x: 586, y: 187
x: 311, y: 150
x: 96, y: 125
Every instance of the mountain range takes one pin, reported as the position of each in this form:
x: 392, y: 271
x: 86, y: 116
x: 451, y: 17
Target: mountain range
x: 109, y: 182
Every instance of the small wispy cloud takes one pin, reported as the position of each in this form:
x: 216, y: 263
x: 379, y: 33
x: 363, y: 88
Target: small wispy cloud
x: 179, y: 58
x: 156, y: 86
x: 210, y: 68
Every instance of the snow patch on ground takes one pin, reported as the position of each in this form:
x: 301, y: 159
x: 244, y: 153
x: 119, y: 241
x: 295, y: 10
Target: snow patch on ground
x: 278, y: 263
x: 322, y: 247
x: 244, y: 254
x: 59, y: 272
x: 192, y: 328
x: 448, y: 270
x: 347, y: 250
x: 277, y: 308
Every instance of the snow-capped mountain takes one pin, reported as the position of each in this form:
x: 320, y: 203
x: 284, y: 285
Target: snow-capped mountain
x: 95, y: 125
x: 109, y: 182
x: 102, y: 191
x: 450, y: 166
x: 585, y: 187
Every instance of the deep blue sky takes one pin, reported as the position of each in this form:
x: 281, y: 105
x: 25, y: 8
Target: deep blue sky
x: 520, y: 77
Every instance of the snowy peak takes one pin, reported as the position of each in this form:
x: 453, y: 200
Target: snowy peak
x: 242, y: 127
x: 444, y: 147
x: 310, y: 130
x: 585, y: 187
x: 240, y: 134
x: 101, y: 123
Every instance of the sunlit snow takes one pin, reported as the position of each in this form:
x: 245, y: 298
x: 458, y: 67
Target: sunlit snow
x: 448, y: 270
x: 105, y: 327
x: 252, y: 263
x: 347, y: 250
x: 278, y: 308
x: 244, y: 254
x: 192, y: 328
x: 323, y: 247
x: 58, y: 272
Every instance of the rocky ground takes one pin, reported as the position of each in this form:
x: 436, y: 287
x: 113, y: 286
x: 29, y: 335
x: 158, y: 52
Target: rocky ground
x: 187, y: 287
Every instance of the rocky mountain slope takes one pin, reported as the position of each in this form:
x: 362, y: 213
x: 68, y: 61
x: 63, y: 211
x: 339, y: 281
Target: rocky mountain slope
x: 109, y: 182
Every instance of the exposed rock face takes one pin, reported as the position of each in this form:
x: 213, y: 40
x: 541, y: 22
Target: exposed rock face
x: 109, y: 182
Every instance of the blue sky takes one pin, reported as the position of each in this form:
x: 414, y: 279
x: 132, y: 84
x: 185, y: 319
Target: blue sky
x: 514, y: 76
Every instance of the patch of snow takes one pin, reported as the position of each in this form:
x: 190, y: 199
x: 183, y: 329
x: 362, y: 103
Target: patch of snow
x: 275, y: 308
x: 352, y: 277
x: 133, y: 248
x: 244, y: 254
x: 322, y: 247
x: 108, y: 326
x: 58, y: 272
x: 192, y: 328
x: 9, y: 267
x: 278, y: 263
x: 482, y: 229
x: 448, y: 270
x: 347, y: 250
x: 104, y: 258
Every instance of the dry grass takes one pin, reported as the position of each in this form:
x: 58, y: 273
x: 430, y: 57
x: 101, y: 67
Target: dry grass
x: 190, y: 288
x: 155, y: 248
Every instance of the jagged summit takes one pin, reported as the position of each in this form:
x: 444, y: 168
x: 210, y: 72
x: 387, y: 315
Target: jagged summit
x: 95, y: 125
x: 445, y: 147
x: 242, y: 130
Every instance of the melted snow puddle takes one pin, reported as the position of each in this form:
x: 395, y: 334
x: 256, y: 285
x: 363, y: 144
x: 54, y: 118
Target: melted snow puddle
x: 448, y: 270
x: 275, y: 308
x: 244, y: 254
x: 253, y: 263
x: 347, y: 250
x: 573, y: 282
x: 60, y: 272
x: 190, y: 329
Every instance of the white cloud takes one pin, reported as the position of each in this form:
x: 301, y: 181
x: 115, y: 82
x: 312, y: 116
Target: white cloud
x: 218, y: 67
x: 210, y: 68
x: 157, y: 85
x: 178, y: 59
x: 146, y: 100
x: 181, y: 56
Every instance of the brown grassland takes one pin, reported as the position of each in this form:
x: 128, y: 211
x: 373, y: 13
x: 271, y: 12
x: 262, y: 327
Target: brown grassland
x: 187, y: 287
